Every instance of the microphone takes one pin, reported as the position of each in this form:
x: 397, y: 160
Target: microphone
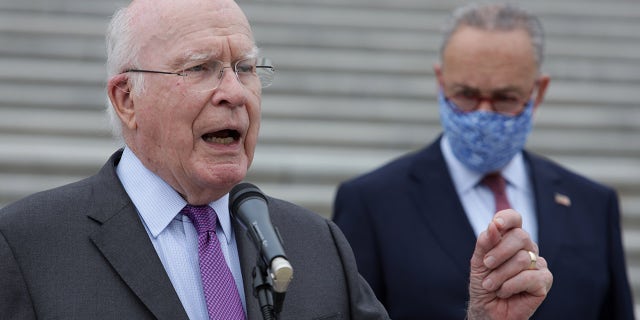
x: 248, y: 204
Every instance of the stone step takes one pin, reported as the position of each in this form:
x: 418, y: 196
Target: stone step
x: 578, y: 38
x: 75, y: 155
x: 331, y: 132
x: 314, y: 194
x: 623, y: 9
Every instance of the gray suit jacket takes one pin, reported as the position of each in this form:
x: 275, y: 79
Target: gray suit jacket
x: 81, y: 252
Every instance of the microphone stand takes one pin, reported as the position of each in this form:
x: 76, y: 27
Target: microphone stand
x: 270, y: 301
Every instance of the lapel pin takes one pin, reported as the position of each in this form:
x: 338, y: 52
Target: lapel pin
x: 562, y: 199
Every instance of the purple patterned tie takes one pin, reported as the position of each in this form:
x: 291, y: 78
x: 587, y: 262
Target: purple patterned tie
x: 220, y: 291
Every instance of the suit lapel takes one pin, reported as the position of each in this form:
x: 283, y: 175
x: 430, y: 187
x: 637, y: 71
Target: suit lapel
x: 124, y: 242
x: 439, y: 207
x: 551, y: 214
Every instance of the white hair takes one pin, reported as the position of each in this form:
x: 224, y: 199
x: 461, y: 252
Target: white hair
x: 122, y: 54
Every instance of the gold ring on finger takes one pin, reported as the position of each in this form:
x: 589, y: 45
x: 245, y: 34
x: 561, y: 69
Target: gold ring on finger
x: 533, y: 260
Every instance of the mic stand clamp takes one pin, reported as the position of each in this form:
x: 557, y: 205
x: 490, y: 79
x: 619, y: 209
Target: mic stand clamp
x: 263, y: 290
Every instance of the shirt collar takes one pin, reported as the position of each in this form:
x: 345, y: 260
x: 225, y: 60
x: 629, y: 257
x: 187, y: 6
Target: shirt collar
x: 465, y: 179
x: 221, y: 206
x: 156, y: 201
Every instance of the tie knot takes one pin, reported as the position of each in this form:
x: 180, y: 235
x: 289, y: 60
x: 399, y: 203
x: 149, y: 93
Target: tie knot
x: 495, y: 182
x: 204, y: 218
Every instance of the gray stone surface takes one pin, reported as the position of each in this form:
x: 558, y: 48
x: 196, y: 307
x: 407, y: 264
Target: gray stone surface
x: 354, y: 89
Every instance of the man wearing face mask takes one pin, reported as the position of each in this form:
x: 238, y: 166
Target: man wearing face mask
x: 412, y: 223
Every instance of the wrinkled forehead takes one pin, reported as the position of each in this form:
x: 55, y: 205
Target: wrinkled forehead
x: 170, y: 22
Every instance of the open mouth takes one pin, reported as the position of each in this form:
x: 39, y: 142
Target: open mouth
x: 227, y: 136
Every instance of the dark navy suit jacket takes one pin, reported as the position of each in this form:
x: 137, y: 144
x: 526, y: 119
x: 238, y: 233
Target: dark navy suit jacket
x: 413, y: 241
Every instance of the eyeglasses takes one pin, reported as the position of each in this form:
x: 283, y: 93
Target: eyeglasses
x: 470, y: 100
x: 207, y: 76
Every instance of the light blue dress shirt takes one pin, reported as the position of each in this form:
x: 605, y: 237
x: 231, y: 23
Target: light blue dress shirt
x: 477, y: 200
x: 173, y: 235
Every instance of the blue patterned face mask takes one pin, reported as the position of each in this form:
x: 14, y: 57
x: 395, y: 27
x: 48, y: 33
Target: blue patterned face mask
x: 484, y: 141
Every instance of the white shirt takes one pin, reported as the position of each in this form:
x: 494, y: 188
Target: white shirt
x: 477, y: 200
x: 173, y: 235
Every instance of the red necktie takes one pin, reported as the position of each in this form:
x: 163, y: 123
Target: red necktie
x: 496, y: 183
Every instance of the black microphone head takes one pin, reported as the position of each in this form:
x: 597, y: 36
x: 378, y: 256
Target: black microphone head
x: 249, y: 206
x: 241, y: 192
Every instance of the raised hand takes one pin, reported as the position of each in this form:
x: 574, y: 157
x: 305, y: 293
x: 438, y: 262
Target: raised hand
x: 508, y: 279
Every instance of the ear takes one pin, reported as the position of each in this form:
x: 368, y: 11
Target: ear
x: 119, y: 91
x: 543, y: 83
x: 437, y: 69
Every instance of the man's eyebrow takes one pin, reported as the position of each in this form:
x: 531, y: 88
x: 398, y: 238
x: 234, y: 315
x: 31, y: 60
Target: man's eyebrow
x: 251, y: 53
x: 202, y: 56
x: 507, y: 89
x: 459, y: 86
x: 191, y: 57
